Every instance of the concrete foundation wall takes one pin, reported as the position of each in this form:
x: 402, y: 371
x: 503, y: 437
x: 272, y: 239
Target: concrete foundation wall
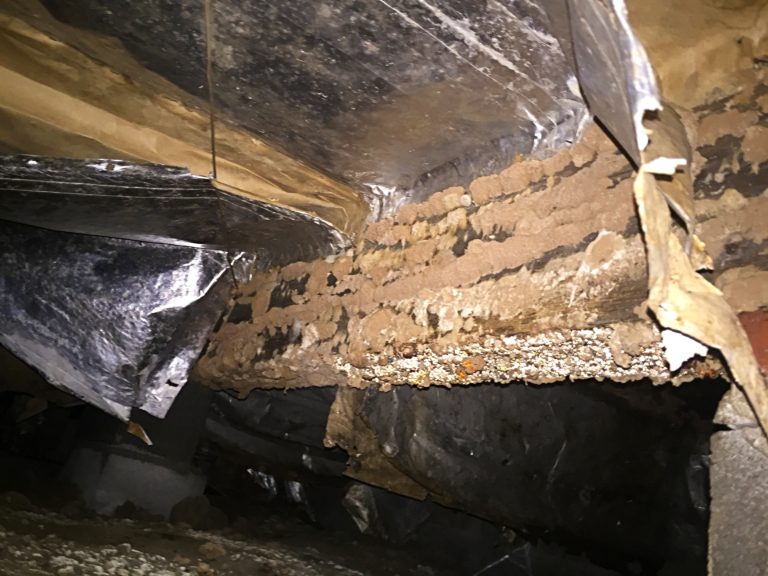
x: 738, y: 530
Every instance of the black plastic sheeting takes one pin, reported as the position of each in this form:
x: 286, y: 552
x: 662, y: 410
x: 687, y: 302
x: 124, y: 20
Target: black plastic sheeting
x: 617, y: 471
x: 117, y: 323
x: 588, y: 477
x: 298, y: 418
x: 284, y: 429
x: 461, y: 544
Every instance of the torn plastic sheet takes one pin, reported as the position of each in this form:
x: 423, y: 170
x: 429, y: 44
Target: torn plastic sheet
x: 264, y: 481
x: 377, y: 512
x: 117, y: 323
x: 295, y: 492
x: 361, y: 507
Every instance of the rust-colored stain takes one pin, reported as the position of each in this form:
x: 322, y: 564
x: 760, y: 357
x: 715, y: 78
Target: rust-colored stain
x: 474, y: 364
x: 756, y: 325
x: 708, y: 372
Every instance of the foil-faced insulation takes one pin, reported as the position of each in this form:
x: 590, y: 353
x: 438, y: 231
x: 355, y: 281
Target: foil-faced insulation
x: 118, y: 323
x: 411, y: 96
x: 114, y: 290
x: 399, y: 98
x: 153, y: 203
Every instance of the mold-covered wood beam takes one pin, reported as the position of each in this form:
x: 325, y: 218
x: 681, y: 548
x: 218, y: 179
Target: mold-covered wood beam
x: 77, y: 94
x: 536, y: 274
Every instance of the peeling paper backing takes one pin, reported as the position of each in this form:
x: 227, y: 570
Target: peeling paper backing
x: 620, y: 87
x: 682, y: 299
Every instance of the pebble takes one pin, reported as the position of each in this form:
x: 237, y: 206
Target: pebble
x: 212, y: 550
x: 183, y: 560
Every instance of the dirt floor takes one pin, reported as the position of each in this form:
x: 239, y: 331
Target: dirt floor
x: 37, y: 541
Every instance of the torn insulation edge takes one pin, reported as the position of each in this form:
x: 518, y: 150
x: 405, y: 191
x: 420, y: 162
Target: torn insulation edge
x: 679, y: 348
x: 680, y: 298
x: 138, y: 431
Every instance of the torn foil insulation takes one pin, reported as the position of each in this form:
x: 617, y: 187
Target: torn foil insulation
x: 619, y: 85
x: 614, y: 72
x: 154, y: 203
x: 117, y: 323
x: 113, y: 292
x: 620, y: 88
